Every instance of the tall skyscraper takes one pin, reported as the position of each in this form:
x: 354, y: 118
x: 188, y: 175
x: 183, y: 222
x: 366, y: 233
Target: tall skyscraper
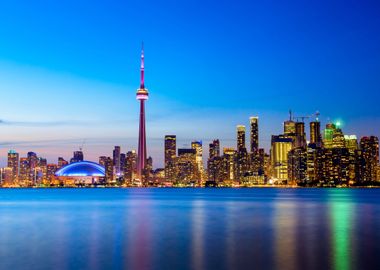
x: 370, y: 158
x: 328, y: 135
x: 280, y: 146
x: 214, y: 149
x: 141, y: 95
x: 170, y: 156
x: 240, y: 129
x: 254, y: 136
x: 315, y: 133
x: 33, y: 163
x: 197, y: 145
x: 24, y: 171
x: 290, y: 126
x: 13, y: 162
x: 130, y: 166
x: 188, y: 172
x: 300, y: 139
x: 109, y: 173
x: 116, y: 160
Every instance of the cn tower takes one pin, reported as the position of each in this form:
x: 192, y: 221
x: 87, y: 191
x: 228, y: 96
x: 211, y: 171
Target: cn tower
x: 141, y: 95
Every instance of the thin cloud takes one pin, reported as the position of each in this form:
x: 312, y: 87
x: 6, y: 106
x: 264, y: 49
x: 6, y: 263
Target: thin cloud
x: 42, y: 123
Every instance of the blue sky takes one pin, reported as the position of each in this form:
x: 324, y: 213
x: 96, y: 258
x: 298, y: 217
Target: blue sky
x: 69, y: 70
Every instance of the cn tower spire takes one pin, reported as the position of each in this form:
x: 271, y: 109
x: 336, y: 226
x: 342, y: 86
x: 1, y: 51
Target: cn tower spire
x: 142, y: 86
x: 142, y: 95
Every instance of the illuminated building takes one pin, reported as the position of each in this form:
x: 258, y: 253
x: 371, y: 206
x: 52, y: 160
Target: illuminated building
x: 109, y: 170
x: 368, y: 159
x: 81, y: 173
x: 33, y: 162
x: 280, y: 146
x: 102, y: 161
x: 338, y: 139
x: 122, y: 165
x: 315, y: 133
x: 333, y: 166
x: 197, y: 145
x: 240, y: 129
x: 141, y: 95
x: 229, y: 164
x: 351, y: 143
x: 62, y: 162
x: 13, y: 162
x: 300, y: 135
x: 50, y: 174
x: 24, y: 171
x: 290, y: 126
x: 215, y: 169
x: 214, y: 162
x: 254, y: 135
x: 41, y: 171
x: 148, y: 171
x: 7, y: 177
x: 130, y: 167
x: 242, y: 164
x: 159, y: 175
x: 214, y: 149
x: 329, y: 133
x: 77, y: 157
x: 116, y: 160
x: 297, y: 166
x: 170, y: 156
x: 188, y: 172
x: 312, y: 162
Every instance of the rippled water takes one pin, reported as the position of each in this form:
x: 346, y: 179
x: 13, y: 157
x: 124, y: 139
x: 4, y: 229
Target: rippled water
x: 260, y: 228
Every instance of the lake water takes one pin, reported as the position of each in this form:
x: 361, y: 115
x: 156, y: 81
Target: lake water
x: 158, y: 228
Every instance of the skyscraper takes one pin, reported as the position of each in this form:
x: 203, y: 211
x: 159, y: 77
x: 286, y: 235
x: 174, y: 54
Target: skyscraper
x: 197, y: 145
x: 170, y: 155
x: 329, y: 133
x: 130, y: 166
x: 188, y: 172
x: 280, y: 146
x: 33, y: 163
x: 300, y: 139
x: 141, y: 95
x: 254, y: 136
x: 13, y: 162
x: 240, y: 137
x: 214, y: 149
x: 315, y: 133
x: 370, y: 158
x: 116, y: 160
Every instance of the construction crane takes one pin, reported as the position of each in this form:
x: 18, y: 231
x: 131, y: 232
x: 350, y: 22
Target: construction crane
x: 301, y: 117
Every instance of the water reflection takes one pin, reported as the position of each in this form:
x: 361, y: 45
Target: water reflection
x: 285, y: 218
x: 341, y: 224
x: 197, y: 234
x: 190, y: 229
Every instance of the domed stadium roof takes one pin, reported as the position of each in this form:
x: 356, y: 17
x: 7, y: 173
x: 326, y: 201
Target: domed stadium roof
x: 82, y: 168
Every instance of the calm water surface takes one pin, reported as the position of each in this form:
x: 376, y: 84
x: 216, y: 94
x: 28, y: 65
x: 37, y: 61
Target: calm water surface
x: 190, y: 228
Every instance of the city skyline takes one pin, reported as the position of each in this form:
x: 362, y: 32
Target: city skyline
x: 59, y: 92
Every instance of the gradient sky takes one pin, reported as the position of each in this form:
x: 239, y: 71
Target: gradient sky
x: 69, y: 71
